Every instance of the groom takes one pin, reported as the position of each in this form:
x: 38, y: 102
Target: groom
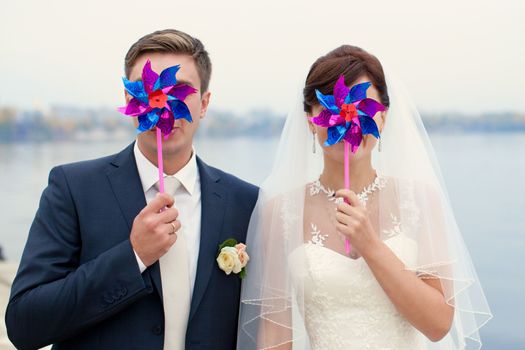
x: 112, y: 264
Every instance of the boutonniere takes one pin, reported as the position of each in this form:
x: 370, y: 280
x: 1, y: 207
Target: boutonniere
x: 233, y: 257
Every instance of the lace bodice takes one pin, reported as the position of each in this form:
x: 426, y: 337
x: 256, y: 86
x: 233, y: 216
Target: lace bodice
x: 346, y: 308
x: 344, y: 305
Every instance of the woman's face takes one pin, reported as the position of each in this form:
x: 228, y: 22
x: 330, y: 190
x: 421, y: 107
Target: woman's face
x: 336, y: 152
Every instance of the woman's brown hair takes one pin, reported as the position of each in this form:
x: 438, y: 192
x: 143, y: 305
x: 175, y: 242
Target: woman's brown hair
x: 350, y: 61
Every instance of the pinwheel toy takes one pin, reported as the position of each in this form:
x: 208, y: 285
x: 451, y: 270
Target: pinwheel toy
x: 348, y: 115
x: 157, y: 100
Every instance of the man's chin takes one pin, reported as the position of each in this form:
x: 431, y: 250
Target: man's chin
x: 171, y: 145
x: 173, y: 148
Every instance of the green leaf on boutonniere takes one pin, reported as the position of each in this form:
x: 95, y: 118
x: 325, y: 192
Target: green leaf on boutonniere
x: 228, y: 243
x: 242, y: 274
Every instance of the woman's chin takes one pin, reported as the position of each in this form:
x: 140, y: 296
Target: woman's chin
x: 337, y: 155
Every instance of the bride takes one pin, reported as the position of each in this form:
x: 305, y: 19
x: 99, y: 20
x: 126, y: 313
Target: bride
x: 380, y: 265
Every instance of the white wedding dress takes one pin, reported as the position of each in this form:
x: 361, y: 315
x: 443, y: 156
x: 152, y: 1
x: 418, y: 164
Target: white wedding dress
x: 302, y: 288
x: 344, y: 305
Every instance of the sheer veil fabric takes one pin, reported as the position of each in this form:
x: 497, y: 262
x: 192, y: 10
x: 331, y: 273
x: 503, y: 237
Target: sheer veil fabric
x: 411, y: 206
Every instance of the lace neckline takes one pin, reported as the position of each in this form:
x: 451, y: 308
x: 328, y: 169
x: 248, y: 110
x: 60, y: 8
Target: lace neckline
x: 379, y: 183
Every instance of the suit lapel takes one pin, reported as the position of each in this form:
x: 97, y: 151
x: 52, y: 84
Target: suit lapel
x: 213, y: 203
x: 127, y: 188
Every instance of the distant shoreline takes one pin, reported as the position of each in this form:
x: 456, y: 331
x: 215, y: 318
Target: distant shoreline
x: 92, y: 125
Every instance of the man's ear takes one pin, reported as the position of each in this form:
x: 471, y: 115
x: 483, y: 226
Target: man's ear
x: 205, y: 101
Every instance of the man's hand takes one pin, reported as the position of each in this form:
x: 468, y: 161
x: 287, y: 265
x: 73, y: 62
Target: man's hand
x: 154, y: 229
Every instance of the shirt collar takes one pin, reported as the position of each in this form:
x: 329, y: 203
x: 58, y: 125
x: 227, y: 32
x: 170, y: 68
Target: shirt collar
x: 149, y: 173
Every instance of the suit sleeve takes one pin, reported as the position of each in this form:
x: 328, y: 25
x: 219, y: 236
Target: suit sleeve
x: 53, y: 297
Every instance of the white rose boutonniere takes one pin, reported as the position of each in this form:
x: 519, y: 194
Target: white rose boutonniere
x: 233, y: 257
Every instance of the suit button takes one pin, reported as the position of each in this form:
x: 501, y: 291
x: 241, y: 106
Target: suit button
x: 157, y: 330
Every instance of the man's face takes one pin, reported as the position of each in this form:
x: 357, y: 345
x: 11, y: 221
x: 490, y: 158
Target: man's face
x: 181, y: 138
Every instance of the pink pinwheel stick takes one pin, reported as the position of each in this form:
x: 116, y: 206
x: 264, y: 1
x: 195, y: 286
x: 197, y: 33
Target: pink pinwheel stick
x: 160, y: 161
x: 163, y: 98
x: 347, y: 185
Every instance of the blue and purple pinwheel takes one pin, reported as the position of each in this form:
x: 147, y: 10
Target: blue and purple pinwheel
x: 157, y: 100
x: 348, y: 114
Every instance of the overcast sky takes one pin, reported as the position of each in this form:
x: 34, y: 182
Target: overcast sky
x: 466, y: 56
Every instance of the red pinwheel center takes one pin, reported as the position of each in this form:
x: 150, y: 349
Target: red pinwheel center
x: 157, y: 99
x: 348, y: 111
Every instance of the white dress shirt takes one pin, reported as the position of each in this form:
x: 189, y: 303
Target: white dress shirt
x: 187, y: 201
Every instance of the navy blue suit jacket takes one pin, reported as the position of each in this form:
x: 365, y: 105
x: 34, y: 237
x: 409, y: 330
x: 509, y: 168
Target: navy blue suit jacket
x: 79, y: 286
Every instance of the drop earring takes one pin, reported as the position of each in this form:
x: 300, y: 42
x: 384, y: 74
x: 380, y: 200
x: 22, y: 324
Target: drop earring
x: 313, y: 142
x: 379, y: 146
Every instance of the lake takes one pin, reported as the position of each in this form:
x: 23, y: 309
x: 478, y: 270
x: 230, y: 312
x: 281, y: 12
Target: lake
x: 482, y: 172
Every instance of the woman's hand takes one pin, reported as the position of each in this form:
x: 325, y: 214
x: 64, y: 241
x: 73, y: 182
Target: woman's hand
x: 354, y: 224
